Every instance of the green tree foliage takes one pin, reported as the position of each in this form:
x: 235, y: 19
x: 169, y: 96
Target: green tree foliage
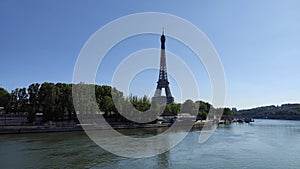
x: 285, y: 111
x: 203, y: 110
x: 13, y: 102
x: 67, y: 98
x: 23, y: 99
x: 189, y: 107
x: 18, y: 101
x: 105, y: 101
x: 141, y: 104
x: 33, y: 104
x: 172, y: 109
x: 107, y: 105
x: 56, y: 103
x: 85, y: 99
x: 227, y: 112
x: 46, y: 97
x: 4, y: 98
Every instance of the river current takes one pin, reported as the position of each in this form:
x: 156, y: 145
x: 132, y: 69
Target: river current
x: 262, y: 144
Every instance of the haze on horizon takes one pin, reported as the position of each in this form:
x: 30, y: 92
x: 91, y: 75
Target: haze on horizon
x: 257, y: 41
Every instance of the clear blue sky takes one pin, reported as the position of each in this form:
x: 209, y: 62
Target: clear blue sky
x: 258, y: 42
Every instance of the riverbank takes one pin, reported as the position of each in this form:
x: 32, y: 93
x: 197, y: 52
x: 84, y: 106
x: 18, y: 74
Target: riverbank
x: 20, y: 129
x: 35, y: 129
x: 42, y: 129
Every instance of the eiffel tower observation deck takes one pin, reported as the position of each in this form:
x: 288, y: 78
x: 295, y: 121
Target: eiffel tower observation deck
x: 163, y: 77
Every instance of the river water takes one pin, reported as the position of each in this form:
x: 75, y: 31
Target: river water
x: 262, y: 144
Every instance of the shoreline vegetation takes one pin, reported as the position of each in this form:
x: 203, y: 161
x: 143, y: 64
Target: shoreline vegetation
x: 283, y: 112
x: 49, y: 107
x: 52, y: 107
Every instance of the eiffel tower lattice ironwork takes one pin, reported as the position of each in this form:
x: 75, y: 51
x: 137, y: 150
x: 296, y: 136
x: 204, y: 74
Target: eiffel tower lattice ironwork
x: 163, y: 77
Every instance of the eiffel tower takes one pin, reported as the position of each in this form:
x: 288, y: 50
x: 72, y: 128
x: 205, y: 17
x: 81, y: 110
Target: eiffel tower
x: 163, y: 77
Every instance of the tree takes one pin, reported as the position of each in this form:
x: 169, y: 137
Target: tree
x: 189, y: 107
x: 33, y: 91
x: 175, y: 108
x: 46, y: 97
x: 140, y: 104
x: 4, y: 98
x: 23, y: 99
x: 59, y: 101
x: 13, y: 102
x: 107, y: 105
x: 69, y: 102
x: 203, y: 110
x: 18, y: 100
x: 227, y: 112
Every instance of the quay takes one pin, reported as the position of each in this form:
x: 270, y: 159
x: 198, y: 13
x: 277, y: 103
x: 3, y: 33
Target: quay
x: 197, y: 125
